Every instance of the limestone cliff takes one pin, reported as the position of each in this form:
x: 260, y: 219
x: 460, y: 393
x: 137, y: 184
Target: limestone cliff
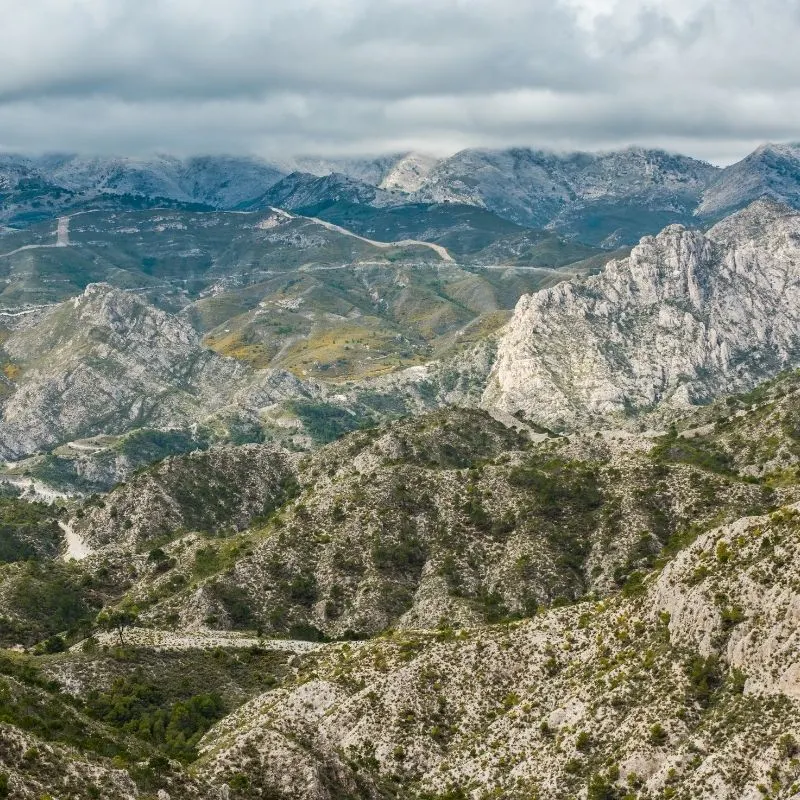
x: 685, y: 318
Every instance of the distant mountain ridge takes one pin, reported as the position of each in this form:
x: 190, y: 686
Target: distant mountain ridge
x: 772, y: 171
x: 610, y: 198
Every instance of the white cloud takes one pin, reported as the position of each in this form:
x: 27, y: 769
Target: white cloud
x: 335, y: 76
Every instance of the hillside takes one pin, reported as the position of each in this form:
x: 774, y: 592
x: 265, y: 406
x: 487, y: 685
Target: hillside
x: 105, y: 363
x: 682, y: 691
x: 170, y: 320
x: 176, y: 255
x: 40, y: 187
x: 618, y: 602
x: 290, y: 352
x: 432, y: 523
x: 473, y: 234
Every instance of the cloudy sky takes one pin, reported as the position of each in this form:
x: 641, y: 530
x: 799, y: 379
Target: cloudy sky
x: 711, y: 78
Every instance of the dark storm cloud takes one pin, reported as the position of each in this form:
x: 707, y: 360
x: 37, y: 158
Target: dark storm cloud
x: 710, y: 78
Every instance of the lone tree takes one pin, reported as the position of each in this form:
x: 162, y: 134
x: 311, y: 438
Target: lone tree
x: 117, y: 619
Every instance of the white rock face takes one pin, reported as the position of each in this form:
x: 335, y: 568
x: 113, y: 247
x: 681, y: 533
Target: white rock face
x: 409, y: 173
x: 685, y: 318
x: 765, y: 642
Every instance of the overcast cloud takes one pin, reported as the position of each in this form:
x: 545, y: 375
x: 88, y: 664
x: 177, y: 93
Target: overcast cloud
x: 712, y: 79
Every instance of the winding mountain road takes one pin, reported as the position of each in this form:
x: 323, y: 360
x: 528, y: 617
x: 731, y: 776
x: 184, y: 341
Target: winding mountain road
x: 62, y: 237
x: 442, y: 252
x: 62, y: 240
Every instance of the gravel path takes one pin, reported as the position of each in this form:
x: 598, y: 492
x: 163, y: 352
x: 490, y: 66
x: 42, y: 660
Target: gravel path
x: 202, y: 640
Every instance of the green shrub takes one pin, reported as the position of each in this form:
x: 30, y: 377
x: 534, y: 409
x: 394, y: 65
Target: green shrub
x: 325, y: 423
x: 139, y: 707
x: 303, y: 588
x: 207, y: 561
x: 696, y: 452
x: 49, y: 598
x: 657, y: 735
x: 406, y: 554
x: 54, y: 644
x: 236, y: 602
x: 583, y: 742
x: 705, y: 678
x: 601, y: 787
x: 787, y: 746
x: 731, y: 617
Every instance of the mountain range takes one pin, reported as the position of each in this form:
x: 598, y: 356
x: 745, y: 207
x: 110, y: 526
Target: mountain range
x: 411, y: 478
x: 686, y: 317
x: 607, y: 199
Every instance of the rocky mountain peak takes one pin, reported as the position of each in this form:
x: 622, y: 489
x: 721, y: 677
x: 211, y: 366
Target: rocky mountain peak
x: 103, y: 320
x: 673, y: 265
x: 409, y: 173
x: 684, y: 318
x: 304, y: 190
x: 776, y: 148
x: 773, y: 171
x: 108, y: 361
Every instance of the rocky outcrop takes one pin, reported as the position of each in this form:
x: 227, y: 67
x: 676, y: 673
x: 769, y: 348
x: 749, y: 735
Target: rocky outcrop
x: 107, y: 362
x: 685, y: 318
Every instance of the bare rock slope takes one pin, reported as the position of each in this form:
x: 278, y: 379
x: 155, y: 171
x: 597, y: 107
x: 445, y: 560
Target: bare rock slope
x: 107, y: 362
x: 685, y: 318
